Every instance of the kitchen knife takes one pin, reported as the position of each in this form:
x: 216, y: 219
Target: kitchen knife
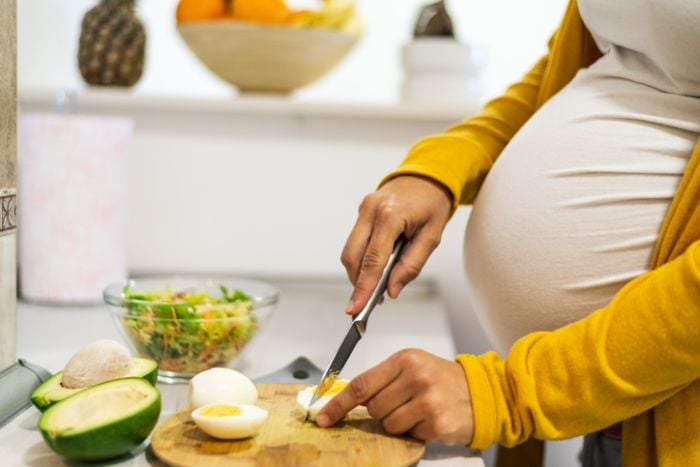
x: 357, y: 327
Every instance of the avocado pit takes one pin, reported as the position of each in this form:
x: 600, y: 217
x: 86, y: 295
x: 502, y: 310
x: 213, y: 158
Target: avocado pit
x: 96, y: 363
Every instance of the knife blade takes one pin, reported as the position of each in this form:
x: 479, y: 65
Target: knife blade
x: 357, y: 327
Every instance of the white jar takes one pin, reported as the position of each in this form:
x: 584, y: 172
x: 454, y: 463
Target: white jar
x: 441, y: 70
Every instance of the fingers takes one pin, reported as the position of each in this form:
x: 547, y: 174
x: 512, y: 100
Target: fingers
x: 386, y: 229
x: 389, y: 399
x: 420, y: 431
x: 411, y: 392
x: 356, y: 243
x: 414, y: 258
x: 403, y: 419
x: 416, y: 206
x: 360, y: 390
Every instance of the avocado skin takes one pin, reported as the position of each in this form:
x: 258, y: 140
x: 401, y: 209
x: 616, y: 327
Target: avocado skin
x: 111, y: 440
x: 42, y: 402
x: 151, y: 376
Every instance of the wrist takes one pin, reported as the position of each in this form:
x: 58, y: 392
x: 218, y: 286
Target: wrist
x: 434, y: 184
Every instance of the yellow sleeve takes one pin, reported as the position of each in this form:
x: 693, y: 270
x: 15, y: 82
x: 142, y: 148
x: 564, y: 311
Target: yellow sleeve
x: 461, y: 157
x: 620, y: 361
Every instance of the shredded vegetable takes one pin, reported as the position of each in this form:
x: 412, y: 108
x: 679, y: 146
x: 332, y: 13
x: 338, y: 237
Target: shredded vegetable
x: 188, y: 331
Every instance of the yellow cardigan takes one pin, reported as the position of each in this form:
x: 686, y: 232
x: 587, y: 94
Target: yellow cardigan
x: 637, y: 359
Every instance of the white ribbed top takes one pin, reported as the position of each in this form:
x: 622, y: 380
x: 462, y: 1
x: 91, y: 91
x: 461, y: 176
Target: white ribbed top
x: 655, y: 42
x: 572, y: 209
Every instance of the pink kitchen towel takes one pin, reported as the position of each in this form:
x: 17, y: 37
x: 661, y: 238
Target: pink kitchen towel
x: 72, y: 211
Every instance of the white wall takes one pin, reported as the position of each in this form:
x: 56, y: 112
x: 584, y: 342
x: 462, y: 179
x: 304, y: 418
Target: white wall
x: 299, y: 164
x: 268, y: 195
x: 515, y: 33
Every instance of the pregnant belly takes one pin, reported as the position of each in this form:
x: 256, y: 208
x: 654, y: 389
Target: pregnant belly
x: 572, y: 209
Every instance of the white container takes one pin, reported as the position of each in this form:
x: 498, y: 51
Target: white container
x: 72, y: 207
x: 441, y: 70
x: 445, y: 88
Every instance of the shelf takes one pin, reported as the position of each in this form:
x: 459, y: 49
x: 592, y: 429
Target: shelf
x: 273, y: 105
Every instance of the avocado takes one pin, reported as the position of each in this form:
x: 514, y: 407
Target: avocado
x: 104, y: 421
x: 52, y: 391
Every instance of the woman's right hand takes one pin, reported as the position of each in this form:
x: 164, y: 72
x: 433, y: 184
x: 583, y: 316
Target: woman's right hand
x: 416, y: 206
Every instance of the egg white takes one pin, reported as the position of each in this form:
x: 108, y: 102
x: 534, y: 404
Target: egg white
x: 245, y: 424
x: 221, y: 386
x: 304, y: 399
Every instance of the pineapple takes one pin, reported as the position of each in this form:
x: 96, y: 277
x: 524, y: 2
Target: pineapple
x: 112, y: 44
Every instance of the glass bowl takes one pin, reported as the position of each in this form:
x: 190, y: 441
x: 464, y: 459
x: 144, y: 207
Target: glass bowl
x: 186, y: 324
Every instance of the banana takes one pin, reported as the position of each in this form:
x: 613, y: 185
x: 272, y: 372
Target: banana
x: 335, y: 14
x: 353, y: 25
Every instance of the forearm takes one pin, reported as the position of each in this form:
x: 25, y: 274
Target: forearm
x: 618, y: 362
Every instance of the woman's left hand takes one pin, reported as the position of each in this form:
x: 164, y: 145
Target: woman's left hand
x: 411, y: 392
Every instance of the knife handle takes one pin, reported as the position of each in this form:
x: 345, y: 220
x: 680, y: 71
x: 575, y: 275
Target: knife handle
x: 362, y: 317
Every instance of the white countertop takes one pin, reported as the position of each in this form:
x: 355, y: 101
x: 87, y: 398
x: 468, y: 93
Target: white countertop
x: 308, y: 322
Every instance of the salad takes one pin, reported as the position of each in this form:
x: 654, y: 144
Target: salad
x: 188, y: 331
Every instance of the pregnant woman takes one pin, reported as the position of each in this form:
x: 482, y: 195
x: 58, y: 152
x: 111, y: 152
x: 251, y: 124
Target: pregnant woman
x: 582, y: 250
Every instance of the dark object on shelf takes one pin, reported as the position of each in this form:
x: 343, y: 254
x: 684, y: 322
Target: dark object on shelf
x: 434, y: 20
x: 112, y: 44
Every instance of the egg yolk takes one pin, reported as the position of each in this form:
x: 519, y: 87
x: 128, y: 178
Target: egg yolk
x: 220, y: 411
x: 336, y: 388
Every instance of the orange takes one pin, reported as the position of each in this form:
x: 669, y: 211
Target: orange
x: 261, y: 11
x: 299, y: 17
x: 200, y: 10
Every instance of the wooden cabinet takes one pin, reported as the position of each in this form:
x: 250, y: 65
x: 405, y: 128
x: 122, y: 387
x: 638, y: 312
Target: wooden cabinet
x: 8, y: 210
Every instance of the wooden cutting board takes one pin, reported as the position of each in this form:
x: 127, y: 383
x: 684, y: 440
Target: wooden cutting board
x: 285, y: 441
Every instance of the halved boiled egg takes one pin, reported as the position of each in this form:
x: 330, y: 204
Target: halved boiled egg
x: 221, y: 386
x: 229, y: 421
x: 305, y: 395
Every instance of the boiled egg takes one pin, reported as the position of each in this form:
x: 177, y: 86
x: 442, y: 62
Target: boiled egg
x: 230, y: 421
x: 305, y: 395
x: 221, y: 386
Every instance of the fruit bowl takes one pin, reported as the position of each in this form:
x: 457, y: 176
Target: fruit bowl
x: 189, y: 325
x: 266, y: 58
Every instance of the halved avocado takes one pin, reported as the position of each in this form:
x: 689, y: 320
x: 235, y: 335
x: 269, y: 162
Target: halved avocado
x: 102, y: 422
x: 51, y: 390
